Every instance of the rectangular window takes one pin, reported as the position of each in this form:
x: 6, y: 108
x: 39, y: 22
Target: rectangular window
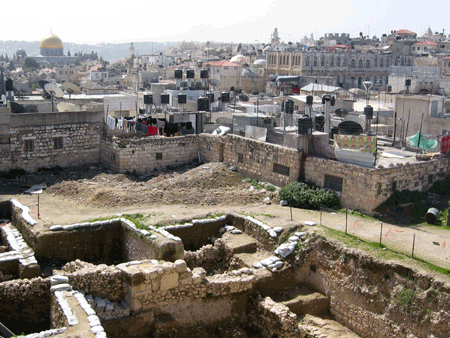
x: 29, y: 145
x: 281, y: 169
x: 58, y: 142
x: 240, y: 158
x: 333, y: 183
x: 159, y: 156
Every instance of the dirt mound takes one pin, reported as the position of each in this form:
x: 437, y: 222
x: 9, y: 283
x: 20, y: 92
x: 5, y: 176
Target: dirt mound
x: 210, y: 184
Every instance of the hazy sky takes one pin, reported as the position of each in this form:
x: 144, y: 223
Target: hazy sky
x: 223, y: 21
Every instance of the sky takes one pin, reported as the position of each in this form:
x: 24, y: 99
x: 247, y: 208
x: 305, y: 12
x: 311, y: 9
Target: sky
x: 246, y: 21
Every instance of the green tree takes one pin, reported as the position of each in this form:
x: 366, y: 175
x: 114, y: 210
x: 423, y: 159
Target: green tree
x: 11, y: 66
x: 30, y: 64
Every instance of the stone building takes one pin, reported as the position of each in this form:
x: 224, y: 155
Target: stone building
x: 350, y: 69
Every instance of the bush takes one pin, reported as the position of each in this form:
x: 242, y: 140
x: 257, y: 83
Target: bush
x: 308, y: 196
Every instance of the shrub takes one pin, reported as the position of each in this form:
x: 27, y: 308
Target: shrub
x: 308, y: 196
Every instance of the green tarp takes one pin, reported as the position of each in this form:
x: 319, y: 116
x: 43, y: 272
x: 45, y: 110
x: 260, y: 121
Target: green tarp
x: 424, y: 143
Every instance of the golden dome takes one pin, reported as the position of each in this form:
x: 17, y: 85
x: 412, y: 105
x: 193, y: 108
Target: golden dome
x: 51, y: 42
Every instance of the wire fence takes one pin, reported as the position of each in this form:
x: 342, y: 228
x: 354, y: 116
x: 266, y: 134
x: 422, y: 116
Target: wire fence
x: 421, y: 242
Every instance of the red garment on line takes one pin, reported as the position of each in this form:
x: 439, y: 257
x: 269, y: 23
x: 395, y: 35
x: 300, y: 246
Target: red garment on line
x: 151, y: 130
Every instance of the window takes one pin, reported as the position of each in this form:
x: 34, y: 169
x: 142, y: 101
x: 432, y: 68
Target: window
x: 240, y: 158
x: 360, y: 63
x: 353, y: 64
x: 332, y: 62
x: 315, y: 61
x: 338, y: 61
x: 333, y: 183
x: 322, y: 61
x: 381, y: 63
x: 58, y: 143
x: 159, y: 156
x: 367, y: 63
x: 344, y: 62
x: 281, y: 169
x: 29, y: 145
x: 307, y: 61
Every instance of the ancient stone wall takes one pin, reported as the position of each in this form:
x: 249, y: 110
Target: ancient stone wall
x: 25, y: 305
x: 273, y: 319
x: 377, y: 184
x: 147, y: 154
x: 374, y: 298
x: 211, y: 147
x: 267, y: 162
x: 34, y: 147
x: 98, y: 280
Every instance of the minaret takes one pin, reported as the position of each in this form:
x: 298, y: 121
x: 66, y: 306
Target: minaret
x: 131, y: 50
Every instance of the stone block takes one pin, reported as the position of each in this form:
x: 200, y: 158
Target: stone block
x: 169, y: 281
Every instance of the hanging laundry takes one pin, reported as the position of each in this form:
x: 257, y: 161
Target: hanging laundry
x: 110, y: 122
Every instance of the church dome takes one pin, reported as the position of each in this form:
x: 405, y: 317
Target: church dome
x: 51, y: 42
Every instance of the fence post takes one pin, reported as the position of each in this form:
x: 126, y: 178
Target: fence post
x: 346, y: 217
x: 321, y: 216
x: 414, y: 240
x: 291, y: 211
x: 381, y: 231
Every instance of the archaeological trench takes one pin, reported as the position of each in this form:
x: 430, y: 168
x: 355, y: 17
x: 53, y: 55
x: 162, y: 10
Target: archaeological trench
x: 221, y: 276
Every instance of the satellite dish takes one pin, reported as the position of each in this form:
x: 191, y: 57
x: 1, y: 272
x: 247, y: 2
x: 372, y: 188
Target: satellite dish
x: 42, y: 83
x: 23, y: 88
x: 341, y: 112
x: 214, y: 82
x: 71, y: 88
x: 62, y: 107
x: 53, y: 90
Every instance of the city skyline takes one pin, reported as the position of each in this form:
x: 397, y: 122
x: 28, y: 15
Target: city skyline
x: 94, y: 23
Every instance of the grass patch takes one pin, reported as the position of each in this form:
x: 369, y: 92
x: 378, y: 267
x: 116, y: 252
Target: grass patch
x: 381, y: 251
x: 356, y: 213
x: 215, y: 214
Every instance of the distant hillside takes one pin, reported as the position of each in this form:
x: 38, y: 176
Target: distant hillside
x: 109, y: 51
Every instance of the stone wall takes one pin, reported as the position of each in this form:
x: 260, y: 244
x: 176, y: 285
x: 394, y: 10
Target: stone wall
x: 148, y: 154
x: 273, y: 320
x: 211, y: 147
x: 376, y: 183
x: 256, y: 159
x: 374, y: 298
x: 78, y: 134
x: 25, y: 305
x: 98, y: 280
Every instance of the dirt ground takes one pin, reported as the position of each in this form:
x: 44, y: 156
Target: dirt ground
x: 83, y: 194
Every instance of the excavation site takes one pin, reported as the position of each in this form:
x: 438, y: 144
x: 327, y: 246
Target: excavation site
x: 243, y: 269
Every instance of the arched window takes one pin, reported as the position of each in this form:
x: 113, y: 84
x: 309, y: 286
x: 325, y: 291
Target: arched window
x: 353, y: 64
x: 338, y: 61
x: 307, y: 61
x: 375, y: 62
x: 367, y: 63
x: 344, y: 62
x: 381, y: 62
x: 315, y: 61
x: 360, y: 63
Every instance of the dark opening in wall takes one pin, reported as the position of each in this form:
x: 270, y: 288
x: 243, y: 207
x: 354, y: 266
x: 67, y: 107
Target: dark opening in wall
x: 281, y: 169
x: 333, y: 183
x: 240, y: 158
x: 159, y: 156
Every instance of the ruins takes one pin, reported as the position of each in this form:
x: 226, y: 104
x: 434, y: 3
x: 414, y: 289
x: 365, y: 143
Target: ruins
x: 220, y: 275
